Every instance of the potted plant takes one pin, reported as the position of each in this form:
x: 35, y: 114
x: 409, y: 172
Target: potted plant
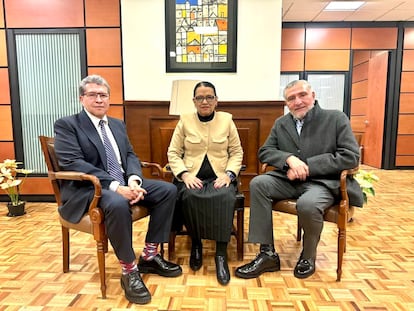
x: 366, y: 181
x: 10, y: 183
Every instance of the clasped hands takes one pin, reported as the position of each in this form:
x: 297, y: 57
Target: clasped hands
x: 297, y: 169
x: 193, y: 182
x: 133, y: 192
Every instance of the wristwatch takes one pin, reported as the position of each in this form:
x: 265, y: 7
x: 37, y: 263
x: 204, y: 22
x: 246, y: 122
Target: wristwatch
x: 231, y: 175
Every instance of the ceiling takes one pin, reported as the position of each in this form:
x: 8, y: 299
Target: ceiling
x: 371, y: 11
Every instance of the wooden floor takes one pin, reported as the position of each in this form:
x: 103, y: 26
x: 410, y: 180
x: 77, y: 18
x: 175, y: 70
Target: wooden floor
x: 378, y: 270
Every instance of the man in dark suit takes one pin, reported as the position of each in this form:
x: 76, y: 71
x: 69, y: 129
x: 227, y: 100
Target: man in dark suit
x: 310, y: 146
x: 93, y: 143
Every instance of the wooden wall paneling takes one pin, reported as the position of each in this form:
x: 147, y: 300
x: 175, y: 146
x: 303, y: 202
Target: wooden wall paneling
x: 406, y: 124
x: 37, y: 185
x: 327, y: 60
x: 404, y: 161
x: 3, y: 48
x: 6, y: 125
x: 359, y: 107
x: 293, y: 39
x: 408, y: 60
x: 103, y: 47
x: 1, y: 16
x: 409, y: 38
x: 6, y: 150
x: 161, y: 130
x: 407, y: 82
x: 44, y: 14
x: 359, y: 89
x: 328, y: 38
x: 292, y: 60
x: 405, y: 145
x: 368, y: 38
x: 360, y: 72
x: 102, y: 13
x: 116, y: 111
x: 113, y: 75
x: 407, y: 103
x: 4, y: 86
x: 360, y: 57
x: 358, y: 123
x: 150, y: 129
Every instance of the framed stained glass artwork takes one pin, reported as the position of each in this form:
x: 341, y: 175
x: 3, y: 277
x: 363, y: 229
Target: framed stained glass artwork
x: 201, y: 35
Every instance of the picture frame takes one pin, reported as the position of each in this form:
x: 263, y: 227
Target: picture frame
x: 201, y: 36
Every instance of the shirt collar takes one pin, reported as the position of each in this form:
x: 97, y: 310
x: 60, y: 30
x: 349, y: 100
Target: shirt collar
x: 96, y: 120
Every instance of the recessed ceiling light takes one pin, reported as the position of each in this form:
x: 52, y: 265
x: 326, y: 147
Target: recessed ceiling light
x: 343, y: 5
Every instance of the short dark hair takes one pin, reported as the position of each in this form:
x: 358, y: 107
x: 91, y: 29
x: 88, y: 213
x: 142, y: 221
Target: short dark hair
x: 205, y: 84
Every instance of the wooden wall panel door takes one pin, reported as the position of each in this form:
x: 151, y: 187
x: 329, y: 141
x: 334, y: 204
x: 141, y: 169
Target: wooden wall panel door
x: 377, y: 91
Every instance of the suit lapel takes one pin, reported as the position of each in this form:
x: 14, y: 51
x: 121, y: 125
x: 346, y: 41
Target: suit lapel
x: 289, y: 126
x: 86, y: 125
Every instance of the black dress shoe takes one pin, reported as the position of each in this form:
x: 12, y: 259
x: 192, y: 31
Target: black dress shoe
x: 196, y: 257
x: 222, y: 270
x: 304, y: 268
x: 159, y: 266
x: 135, y: 289
x: 262, y: 263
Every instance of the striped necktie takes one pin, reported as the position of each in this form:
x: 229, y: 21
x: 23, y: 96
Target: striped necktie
x: 114, y: 169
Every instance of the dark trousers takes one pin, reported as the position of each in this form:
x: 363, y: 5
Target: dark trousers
x: 160, y: 199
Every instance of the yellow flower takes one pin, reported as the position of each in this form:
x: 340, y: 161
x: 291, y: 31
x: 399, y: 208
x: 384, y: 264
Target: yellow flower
x: 366, y: 181
x: 9, y: 181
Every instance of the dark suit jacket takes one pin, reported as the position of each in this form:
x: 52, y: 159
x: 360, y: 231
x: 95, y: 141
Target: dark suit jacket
x: 79, y: 148
x: 326, y: 144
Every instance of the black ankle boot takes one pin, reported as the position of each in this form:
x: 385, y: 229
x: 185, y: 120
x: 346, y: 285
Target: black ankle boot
x: 196, y: 256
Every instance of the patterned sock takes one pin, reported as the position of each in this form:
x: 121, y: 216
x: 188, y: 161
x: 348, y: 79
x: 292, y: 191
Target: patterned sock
x: 269, y: 249
x: 128, y: 267
x: 150, y: 251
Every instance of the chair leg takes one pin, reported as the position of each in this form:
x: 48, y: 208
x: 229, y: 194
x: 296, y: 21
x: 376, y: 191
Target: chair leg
x: 341, y: 250
x: 65, y: 249
x: 240, y: 234
x: 299, y: 232
x: 171, y: 245
x: 100, y: 247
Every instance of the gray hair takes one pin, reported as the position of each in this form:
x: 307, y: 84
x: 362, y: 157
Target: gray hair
x: 293, y: 83
x: 96, y: 79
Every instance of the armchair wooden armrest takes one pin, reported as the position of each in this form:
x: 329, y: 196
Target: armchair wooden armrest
x: 340, y: 213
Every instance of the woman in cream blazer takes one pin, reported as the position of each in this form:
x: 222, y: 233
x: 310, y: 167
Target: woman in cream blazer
x: 205, y: 156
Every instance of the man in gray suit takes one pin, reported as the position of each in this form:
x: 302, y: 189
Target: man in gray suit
x: 93, y: 143
x: 309, y: 147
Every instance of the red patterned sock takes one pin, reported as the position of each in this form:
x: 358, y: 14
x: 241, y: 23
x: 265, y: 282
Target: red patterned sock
x: 150, y: 251
x: 128, y: 267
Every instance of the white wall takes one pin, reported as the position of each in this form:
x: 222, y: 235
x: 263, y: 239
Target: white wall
x: 258, y: 53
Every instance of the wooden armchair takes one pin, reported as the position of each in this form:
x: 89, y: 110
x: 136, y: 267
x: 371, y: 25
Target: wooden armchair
x: 340, y: 214
x: 93, y: 221
x: 238, y: 228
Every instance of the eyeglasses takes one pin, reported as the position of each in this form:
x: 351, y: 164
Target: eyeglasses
x: 208, y: 98
x: 93, y: 95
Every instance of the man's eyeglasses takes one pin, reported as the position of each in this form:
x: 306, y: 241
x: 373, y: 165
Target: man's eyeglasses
x: 208, y: 98
x: 93, y: 95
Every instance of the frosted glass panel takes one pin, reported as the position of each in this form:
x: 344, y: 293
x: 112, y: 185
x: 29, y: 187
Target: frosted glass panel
x: 49, y: 70
x: 329, y: 89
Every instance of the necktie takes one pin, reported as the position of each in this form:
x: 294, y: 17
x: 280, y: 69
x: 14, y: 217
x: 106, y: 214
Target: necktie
x: 299, y: 124
x: 114, y: 169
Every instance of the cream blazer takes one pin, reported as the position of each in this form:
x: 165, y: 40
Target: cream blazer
x: 193, y: 139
